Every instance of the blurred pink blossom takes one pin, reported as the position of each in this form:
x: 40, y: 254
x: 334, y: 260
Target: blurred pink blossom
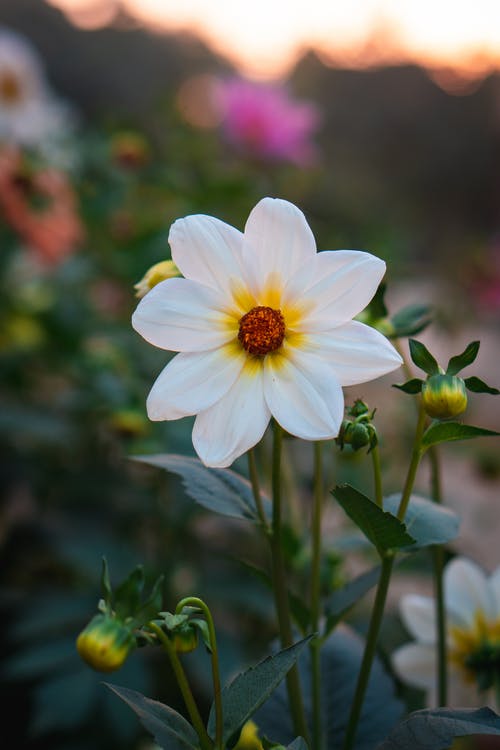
x: 265, y: 121
x: 484, y: 279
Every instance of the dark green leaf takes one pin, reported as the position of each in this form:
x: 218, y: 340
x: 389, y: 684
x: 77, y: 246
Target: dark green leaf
x: 383, y: 529
x: 476, y: 385
x: 220, y: 490
x: 444, y: 432
x: 411, y: 386
x: 341, y: 657
x: 428, y: 522
x: 341, y: 601
x: 411, y: 320
x: 462, y: 360
x: 169, y: 728
x: 422, y: 357
x: 377, y: 308
x: 248, y: 691
x: 436, y: 729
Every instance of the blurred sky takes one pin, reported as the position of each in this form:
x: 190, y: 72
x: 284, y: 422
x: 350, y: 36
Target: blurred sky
x: 265, y: 37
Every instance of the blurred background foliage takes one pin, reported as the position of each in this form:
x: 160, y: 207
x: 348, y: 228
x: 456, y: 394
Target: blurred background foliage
x: 402, y: 168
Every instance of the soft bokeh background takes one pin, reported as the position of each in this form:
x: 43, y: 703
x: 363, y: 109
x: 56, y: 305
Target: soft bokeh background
x: 383, y: 125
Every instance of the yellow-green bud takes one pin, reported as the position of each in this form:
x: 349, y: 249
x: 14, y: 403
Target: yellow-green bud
x: 185, y: 639
x: 249, y: 737
x: 165, y: 269
x: 444, y: 396
x: 105, y: 643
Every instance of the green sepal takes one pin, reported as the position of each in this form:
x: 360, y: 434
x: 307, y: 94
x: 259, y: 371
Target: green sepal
x: 128, y: 593
x: 444, y: 432
x: 476, y: 385
x: 460, y: 361
x: 151, y: 607
x: 202, y: 627
x: 422, y: 357
x: 377, y: 308
x: 172, y: 622
x: 411, y: 386
x: 107, y: 592
x: 384, y: 530
x: 411, y: 320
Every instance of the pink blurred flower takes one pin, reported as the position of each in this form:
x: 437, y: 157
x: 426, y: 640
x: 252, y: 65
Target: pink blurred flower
x: 484, y: 278
x: 265, y: 121
x: 40, y: 206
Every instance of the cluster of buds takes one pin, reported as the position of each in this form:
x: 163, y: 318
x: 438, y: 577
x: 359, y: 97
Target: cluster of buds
x: 358, y: 430
x: 443, y: 392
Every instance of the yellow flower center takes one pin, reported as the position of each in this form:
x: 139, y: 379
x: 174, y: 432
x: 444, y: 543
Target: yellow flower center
x: 476, y: 650
x: 10, y: 90
x: 262, y: 330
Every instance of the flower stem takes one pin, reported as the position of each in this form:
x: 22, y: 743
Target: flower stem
x: 315, y: 646
x: 381, y: 595
x: 438, y: 565
x: 254, y: 481
x: 196, y: 720
x: 280, y: 590
x: 194, y: 601
x: 377, y: 477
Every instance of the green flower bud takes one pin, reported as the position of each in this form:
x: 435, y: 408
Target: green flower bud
x: 105, y: 643
x: 444, y: 396
x: 185, y: 639
x: 359, y: 435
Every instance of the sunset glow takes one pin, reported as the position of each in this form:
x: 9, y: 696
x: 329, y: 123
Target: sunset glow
x: 264, y: 38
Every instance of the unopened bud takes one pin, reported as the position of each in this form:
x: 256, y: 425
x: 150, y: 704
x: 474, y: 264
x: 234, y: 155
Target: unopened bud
x: 444, y: 396
x: 105, y: 643
x: 165, y: 269
x: 185, y: 639
x: 249, y: 737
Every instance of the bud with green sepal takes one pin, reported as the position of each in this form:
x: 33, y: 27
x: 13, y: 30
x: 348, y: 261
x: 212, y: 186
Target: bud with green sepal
x: 358, y: 431
x: 182, y: 630
x: 444, y: 394
x: 111, y: 635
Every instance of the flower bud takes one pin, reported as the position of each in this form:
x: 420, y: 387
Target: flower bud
x: 185, y: 639
x: 444, y: 396
x: 105, y: 643
x: 166, y: 269
x: 249, y: 737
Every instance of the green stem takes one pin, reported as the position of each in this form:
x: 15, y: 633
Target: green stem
x: 194, y: 601
x: 438, y: 566
x: 196, y: 720
x: 280, y: 590
x: 381, y: 595
x: 315, y: 646
x: 254, y: 481
x: 377, y: 477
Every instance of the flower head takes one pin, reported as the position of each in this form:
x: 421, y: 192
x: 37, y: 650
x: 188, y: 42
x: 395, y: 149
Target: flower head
x: 29, y: 113
x: 265, y: 121
x: 263, y: 326
x: 472, y: 601
x: 105, y: 643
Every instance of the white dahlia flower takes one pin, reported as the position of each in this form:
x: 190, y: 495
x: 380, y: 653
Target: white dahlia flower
x: 263, y: 326
x: 472, y: 603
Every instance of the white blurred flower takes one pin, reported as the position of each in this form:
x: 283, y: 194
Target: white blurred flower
x: 472, y: 602
x: 264, y: 328
x: 30, y: 115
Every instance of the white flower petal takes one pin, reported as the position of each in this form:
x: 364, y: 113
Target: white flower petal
x: 356, y: 352
x: 207, y: 250
x: 278, y: 240
x: 494, y: 585
x: 418, y: 615
x: 192, y: 382
x: 235, y: 423
x: 182, y: 315
x: 467, y: 591
x: 303, y: 395
x: 334, y: 287
x: 415, y: 664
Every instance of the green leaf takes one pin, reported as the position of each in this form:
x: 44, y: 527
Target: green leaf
x: 428, y: 522
x: 422, y: 357
x: 341, y: 601
x: 411, y: 320
x: 220, y: 490
x: 383, y: 529
x: 248, y: 691
x: 476, y: 385
x: 341, y: 657
x: 444, y: 432
x: 411, y: 386
x: 377, y: 308
x: 462, y: 360
x: 170, y: 730
x: 436, y: 729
